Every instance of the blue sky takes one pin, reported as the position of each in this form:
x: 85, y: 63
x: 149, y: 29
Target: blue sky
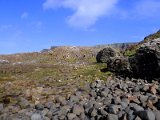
x: 32, y: 25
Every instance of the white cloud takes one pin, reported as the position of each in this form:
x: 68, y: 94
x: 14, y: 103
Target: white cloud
x: 85, y: 12
x: 24, y: 15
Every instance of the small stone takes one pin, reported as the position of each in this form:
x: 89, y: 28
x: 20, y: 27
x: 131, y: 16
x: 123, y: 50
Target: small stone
x: 145, y: 88
x: 112, y: 117
x: 138, y: 118
x: 64, y: 110
x: 82, y: 116
x: 98, y: 83
x: 23, y: 103
x: 39, y: 107
x: 74, y: 98
x: 157, y: 114
x: 49, y: 114
x: 49, y: 105
x: 136, y: 107
x: 61, y: 100
x: 143, y: 98
x: 130, y: 115
x: 71, y: 116
x: 125, y: 100
x: 153, y: 98
x: 103, y: 112
x: 94, y: 113
x: 36, y: 116
x: 45, y: 111
x: 104, y: 92
x: 1, y: 107
x: 116, y: 100
x: 77, y: 109
x: 107, y: 101
x: 150, y: 104
x: 152, y: 89
x: 132, y: 98
x: 146, y: 115
x: 113, y: 109
x: 124, y: 105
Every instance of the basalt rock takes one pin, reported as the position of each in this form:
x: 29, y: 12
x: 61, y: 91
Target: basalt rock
x: 104, y: 55
x: 119, y: 65
x: 146, y: 62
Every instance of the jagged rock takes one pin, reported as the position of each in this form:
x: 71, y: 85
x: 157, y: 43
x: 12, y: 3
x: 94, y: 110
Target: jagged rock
x: 104, y: 55
x: 146, y: 61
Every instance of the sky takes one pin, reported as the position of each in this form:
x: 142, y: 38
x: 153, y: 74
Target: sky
x: 33, y: 25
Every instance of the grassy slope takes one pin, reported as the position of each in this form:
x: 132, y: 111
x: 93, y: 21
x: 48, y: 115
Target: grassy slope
x: 53, y: 69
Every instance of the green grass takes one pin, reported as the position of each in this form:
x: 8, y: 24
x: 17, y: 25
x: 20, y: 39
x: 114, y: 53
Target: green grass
x: 130, y: 53
x: 92, y: 72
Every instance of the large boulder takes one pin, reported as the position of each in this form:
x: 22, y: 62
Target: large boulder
x: 104, y: 55
x: 119, y: 65
x: 146, y: 61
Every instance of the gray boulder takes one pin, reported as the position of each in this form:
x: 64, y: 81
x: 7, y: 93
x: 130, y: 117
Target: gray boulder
x: 104, y: 55
x: 119, y: 65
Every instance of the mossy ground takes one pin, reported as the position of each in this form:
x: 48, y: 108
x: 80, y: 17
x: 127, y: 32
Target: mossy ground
x: 64, y: 77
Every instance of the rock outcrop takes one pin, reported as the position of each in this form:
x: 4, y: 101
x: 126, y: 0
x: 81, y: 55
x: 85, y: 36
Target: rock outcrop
x: 146, y: 62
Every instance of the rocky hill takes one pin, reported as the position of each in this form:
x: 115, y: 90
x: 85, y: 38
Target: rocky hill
x: 67, y: 83
x: 132, y: 49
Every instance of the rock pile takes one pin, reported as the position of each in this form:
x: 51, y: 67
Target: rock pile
x: 115, y: 99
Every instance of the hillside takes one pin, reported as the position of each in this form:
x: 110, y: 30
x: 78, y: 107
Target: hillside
x: 132, y: 49
x: 67, y: 83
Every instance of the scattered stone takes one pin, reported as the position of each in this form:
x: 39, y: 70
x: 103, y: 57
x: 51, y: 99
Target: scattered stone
x: 71, y: 116
x: 112, y: 117
x: 36, y: 116
x: 152, y: 89
x: 136, y: 107
x: 61, y: 100
x: 146, y: 115
x: 39, y: 106
x: 77, y: 109
x: 1, y: 107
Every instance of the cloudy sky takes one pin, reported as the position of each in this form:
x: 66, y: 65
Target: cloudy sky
x: 32, y: 25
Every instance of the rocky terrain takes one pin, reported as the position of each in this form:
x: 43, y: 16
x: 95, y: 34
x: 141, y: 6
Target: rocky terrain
x: 82, y: 83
